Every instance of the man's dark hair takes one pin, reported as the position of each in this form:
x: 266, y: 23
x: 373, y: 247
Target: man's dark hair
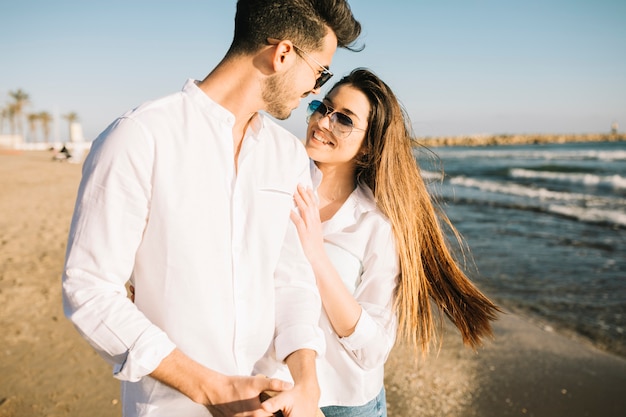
x: 304, y: 22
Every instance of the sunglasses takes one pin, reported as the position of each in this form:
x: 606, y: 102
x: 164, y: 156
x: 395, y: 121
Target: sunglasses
x: 340, y: 124
x: 324, y: 76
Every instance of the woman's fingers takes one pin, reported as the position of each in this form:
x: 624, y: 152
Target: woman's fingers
x: 307, y: 195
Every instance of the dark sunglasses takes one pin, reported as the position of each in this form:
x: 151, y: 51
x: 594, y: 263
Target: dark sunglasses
x: 324, y: 76
x: 340, y: 124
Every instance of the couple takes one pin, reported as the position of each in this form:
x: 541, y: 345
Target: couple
x: 189, y: 198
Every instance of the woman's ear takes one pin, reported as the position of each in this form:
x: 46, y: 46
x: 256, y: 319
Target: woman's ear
x: 362, y: 157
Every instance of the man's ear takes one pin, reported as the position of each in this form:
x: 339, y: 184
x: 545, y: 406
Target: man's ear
x: 283, y: 56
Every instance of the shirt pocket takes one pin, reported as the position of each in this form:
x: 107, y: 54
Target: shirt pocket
x: 276, y: 196
x: 269, y: 217
x: 278, y: 189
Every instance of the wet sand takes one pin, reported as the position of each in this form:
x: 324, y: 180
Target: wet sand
x: 47, y: 369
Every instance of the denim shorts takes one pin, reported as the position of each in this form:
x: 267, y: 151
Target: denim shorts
x: 375, y: 408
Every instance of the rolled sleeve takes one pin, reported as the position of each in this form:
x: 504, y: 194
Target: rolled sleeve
x: 365, y: 331
x: 144, y: 357
x: 299, y: 337
x: 369, y: 345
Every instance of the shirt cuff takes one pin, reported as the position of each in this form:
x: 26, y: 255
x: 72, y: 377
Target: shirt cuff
x: 299, y: 337
x: 144, y: 356
x: 364, y: 332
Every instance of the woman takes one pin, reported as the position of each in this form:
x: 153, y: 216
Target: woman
x: 376, y: 244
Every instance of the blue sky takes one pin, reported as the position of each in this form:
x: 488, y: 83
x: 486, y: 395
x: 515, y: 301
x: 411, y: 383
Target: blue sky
x: 459, y: 67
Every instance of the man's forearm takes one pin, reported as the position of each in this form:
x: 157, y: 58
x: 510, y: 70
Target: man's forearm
x: 187, y: 376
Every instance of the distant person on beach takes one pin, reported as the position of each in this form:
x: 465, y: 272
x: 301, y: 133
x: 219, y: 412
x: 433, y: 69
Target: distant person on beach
x: 62, y: 155
x: 377, y: 247
x: 188, y: 197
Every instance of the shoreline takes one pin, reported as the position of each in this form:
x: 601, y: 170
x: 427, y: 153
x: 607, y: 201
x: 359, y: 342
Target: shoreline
x: 521, y: 139
x: 524, y: 370
x: 47, y: 369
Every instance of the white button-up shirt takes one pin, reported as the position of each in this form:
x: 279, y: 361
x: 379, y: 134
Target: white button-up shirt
x: 360, y: 243
x: 216, y: 262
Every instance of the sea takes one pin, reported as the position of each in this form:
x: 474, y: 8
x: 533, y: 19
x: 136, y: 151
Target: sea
x: 545, y: 225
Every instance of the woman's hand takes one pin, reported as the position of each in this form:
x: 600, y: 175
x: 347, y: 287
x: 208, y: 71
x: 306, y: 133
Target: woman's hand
x: 308, y: 224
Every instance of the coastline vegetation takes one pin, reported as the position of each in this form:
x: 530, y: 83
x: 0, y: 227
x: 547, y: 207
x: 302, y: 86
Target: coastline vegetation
x: 38, y: 123
x: 521, y: 139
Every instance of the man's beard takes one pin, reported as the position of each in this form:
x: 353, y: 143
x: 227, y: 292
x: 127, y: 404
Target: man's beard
x: 275, y: 92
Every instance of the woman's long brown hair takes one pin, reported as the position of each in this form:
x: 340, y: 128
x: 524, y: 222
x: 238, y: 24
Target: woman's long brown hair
x: 428, y: 269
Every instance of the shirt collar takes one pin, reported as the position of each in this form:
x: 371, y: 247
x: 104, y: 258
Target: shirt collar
x: 256, y: 124
x: 360, y: 201
x: 364, y: 198
x: 210, y: 106
x: 217, y: 111
x: 316, y: 174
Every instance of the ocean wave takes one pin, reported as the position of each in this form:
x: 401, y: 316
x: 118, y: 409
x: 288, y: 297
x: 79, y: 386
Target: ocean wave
x: 543, y: 154
x: 430, y: 176
x: 517, y: 189
x: 539, y: 193
x: 591, y: 215
x: 616, y: 182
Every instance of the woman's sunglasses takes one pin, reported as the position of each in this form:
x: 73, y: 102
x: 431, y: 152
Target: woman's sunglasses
x: 340, y: 124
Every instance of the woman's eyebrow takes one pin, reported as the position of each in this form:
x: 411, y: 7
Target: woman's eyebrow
x: 344, y: 110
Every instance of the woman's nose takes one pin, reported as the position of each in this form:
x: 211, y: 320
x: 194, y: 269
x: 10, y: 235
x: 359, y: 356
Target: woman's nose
x: 324, y: 121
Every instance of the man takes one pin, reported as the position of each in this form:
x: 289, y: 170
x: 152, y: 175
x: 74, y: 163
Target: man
x: 188, y: 197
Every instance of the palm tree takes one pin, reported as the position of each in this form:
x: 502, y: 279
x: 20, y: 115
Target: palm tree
x: 71, y: 118
x: 21, y: 99
x: 10, y: 115
x: 33, y: 118
x: 44, y: 119
x: 4, y: 115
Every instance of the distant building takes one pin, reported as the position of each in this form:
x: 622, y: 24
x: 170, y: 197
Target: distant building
x: 77, y: 145
x: 76, y: 133
x: 614, y: 127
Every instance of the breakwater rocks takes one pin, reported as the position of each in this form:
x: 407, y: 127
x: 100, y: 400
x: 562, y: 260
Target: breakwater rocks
x: 496, y: 140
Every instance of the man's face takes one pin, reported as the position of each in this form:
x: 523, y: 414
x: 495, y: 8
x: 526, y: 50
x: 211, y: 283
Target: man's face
x: 282, y: 92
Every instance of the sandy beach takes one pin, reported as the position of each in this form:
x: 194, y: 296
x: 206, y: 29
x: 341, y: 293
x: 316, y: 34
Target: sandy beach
x: 47, y: 369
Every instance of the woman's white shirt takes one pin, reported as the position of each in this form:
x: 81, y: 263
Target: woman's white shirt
x: 360, y: 243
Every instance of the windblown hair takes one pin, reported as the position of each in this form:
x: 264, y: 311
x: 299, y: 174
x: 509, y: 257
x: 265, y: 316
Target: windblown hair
x: 428, y: 269
x: 304, y: 22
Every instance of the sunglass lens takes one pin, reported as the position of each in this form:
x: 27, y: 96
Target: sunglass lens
x: 322, y: 109
x: 343, y: 120
x: 314, y: 106
x: 322, y: 80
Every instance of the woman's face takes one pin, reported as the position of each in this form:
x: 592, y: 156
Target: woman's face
x: 327, y: 141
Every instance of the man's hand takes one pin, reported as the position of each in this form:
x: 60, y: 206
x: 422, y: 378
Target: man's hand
x: 224, y: 396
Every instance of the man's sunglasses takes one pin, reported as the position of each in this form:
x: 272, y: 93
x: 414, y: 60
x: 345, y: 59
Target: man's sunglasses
x: 324, y: 76
x: 340, y: 124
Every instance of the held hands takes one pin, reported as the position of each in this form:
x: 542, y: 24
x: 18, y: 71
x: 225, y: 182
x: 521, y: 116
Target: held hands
x: 308, y: 223
x: 222, y: 395
x: 276, y: 398
x: 302, y: 399
x: 241, y: 396
x: 293, y: 403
